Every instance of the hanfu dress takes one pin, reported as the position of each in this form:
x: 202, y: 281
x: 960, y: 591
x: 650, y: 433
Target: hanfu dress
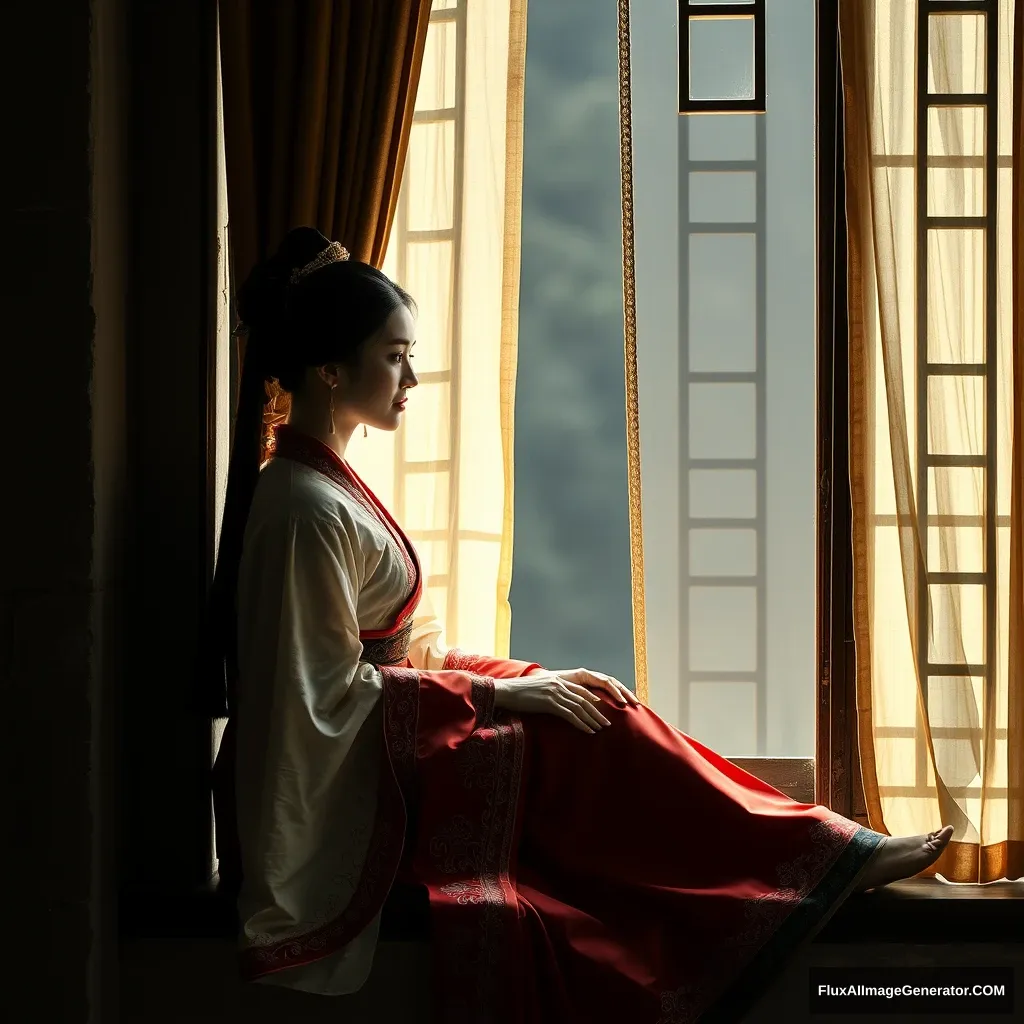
x: 630, y: 875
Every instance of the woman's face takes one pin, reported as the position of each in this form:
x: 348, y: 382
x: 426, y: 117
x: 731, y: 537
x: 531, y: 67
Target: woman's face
x: 376, y: 393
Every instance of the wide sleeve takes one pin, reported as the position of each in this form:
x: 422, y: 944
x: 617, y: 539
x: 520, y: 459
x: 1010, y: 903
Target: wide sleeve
x: 299, y: 648
x: 429, y: 652
x: 427, y: 647
x: 318, y: 641
x: 309, y: 735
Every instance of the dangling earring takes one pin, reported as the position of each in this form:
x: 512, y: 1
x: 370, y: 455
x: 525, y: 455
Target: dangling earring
x: 333, y: 386
x: 364, y: 430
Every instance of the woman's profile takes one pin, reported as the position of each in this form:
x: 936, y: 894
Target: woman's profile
x: 584, y: 860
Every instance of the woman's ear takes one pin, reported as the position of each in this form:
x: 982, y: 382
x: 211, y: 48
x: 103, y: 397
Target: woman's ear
x: 330, y: 374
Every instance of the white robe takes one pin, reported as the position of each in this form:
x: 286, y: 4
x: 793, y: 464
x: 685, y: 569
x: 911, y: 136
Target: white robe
x: 317, y: 567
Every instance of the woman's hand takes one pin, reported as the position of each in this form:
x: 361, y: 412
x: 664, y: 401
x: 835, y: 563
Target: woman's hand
x: 553, y: 694
x: 599, y: 681
x: 563, y: 693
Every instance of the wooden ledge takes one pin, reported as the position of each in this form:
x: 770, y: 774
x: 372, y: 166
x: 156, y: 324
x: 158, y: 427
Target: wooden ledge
x: 918, y: 911
x: 925, y: 910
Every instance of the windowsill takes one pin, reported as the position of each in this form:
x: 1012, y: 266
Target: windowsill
x: 925, y: 910
x: 918, y: 911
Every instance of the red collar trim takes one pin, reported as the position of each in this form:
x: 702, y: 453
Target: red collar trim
x: 290, y: 443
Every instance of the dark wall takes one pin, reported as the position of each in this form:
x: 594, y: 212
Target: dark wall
x: 104, y: 548
x: 165, y: 747
x: 63, y: 479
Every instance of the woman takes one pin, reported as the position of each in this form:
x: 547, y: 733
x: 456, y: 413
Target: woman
x: 583, y: 859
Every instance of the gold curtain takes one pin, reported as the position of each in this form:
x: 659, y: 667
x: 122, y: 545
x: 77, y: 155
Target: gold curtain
x: 446, y: 474
x: 936, y: 600
x: 318, y: 101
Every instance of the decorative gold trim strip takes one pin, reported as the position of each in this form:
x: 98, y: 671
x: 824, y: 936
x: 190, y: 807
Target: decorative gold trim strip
x: 514, y: 111
x: 636, y: 534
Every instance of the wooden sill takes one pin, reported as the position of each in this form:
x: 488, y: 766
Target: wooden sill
x: 793, y: 776
x: 925, y: 910
x: 918, y: 911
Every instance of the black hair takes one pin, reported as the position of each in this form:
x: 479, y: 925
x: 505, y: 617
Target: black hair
x: 324, y: 317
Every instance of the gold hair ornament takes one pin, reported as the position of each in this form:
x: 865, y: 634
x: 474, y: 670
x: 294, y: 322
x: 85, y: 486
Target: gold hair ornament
x: 334, y: 253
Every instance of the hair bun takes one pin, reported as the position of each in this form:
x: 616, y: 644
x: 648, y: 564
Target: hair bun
x: 262, y: 300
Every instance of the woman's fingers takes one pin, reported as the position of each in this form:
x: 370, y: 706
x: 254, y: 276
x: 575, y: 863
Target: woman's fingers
x: 566, y: 711
x: 625, y: 693
x: 599, y: 681
x: 609, y: 683
x: 579, y: 698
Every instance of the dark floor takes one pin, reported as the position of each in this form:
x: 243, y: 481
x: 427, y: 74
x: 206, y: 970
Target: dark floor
x: 186, y: 980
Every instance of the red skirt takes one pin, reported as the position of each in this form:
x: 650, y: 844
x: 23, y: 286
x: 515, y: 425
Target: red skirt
x: 630, y: 875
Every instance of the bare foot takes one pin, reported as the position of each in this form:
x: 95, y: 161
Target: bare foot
x: 903, y: 857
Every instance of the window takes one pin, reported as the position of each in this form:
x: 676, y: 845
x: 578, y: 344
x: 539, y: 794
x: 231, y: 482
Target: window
x: 570, y: 594
x: 721, y: 56
x: 727, y: 391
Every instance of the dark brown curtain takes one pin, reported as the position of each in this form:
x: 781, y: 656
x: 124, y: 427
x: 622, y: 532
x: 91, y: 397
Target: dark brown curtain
x: 318, y: 105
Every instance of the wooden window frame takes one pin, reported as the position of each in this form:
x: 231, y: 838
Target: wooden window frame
x: 837, y: 760
x: 832, y: 776
x: 690, y: 11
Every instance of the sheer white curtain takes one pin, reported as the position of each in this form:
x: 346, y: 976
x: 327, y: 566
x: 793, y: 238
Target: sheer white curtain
x: 932, y: 523
x: 446, y: 475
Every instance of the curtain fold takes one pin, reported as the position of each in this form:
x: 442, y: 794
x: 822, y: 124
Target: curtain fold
x: 933, y: 348
x: 318, y: 98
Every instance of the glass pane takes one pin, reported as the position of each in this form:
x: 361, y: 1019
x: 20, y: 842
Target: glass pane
x: 723, y: 552
x: 956, y: 415
x: 956, y: 53
x: 429, y: 493
x: 956, y: 161
x: 956, y: 634
x: 723, y: 493
x: 721, y: 58
x: 427, y: 276
x: 955, y: 712
x: 956, y: 308
x: 436, y: 90
x: 429, y: 175
x: 723, y: 197
x: 723, y: 716
x: 956, y: 548
x: 957, y: 491
x: 723, y: 285
x: 431, y: 438
x: 723, y: 421
x: 723, y: 630
x: 722, y: 136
